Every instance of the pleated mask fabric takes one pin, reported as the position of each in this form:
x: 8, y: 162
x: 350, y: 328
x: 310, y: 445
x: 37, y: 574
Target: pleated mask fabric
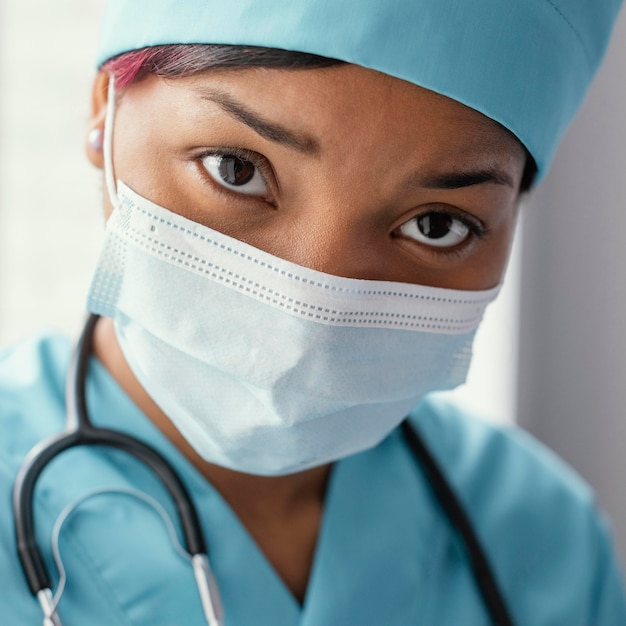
x: 265, y: 366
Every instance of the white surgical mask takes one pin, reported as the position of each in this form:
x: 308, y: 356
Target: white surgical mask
x: 264, y: 366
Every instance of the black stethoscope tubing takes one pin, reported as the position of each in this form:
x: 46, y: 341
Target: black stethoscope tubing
x: 80, y: 432
x: 459, y: 520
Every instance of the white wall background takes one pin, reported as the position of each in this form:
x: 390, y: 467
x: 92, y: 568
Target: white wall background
x: 572, y: 390
x: 49, y: 195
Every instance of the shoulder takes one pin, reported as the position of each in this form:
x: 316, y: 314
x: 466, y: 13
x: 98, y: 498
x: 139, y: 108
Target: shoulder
x: 481, y: 458
x: 537, y: 518
x: 32, y: 387
x: 32, y: 382
x: 43, y: 353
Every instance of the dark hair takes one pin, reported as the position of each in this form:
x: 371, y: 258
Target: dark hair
x: 174, y: 60
x: 528, y: 176
x: 177, y: 60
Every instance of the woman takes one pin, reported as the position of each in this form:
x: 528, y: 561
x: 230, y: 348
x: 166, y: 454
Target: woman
x: 309, y: 207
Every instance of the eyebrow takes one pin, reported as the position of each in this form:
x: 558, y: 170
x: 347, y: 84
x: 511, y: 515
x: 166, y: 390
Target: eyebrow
x: 308, y: 145
x: 458, y: 180
x: 270, y: 130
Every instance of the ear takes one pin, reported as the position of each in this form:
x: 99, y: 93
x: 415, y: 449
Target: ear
x: 95, y: 128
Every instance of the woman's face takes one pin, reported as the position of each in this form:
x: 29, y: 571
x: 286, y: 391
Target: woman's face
x: 344, y: 170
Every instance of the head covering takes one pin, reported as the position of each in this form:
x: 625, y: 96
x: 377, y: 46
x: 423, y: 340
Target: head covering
x: 524, y: 63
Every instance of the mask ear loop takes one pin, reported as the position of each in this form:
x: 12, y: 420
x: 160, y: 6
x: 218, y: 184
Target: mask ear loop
x: 107, y: 147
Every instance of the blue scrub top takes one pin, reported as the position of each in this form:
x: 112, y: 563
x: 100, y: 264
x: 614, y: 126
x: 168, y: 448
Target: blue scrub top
x: 385, y: 554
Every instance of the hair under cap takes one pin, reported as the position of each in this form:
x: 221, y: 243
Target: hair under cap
x: 524, y: 63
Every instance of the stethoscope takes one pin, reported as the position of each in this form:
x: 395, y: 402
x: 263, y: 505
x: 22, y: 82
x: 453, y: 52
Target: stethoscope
x: 80, y: 431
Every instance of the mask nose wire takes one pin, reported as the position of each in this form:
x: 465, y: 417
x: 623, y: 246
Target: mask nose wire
x: 107, y: 147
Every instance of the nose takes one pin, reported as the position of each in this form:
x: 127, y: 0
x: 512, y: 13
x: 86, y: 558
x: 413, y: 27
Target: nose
x: 336, y: 239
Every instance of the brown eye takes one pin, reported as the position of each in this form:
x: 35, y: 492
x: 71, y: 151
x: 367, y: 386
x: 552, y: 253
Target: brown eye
x: 235, y: 173
x: 441, y: 230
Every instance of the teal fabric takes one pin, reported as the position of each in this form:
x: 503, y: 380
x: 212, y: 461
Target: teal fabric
x: 524, y: 63
x: 385, y: 554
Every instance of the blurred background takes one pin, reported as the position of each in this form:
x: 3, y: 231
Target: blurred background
x: 551, y: 354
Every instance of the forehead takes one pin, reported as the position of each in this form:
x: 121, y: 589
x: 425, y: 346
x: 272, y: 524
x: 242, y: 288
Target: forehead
x: 340, y: 104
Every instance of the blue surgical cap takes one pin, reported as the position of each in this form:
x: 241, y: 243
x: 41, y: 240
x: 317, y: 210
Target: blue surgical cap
x: 524, y: 63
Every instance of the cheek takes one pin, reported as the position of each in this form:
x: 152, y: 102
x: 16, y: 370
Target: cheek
x: 492, y: 262
x: 139, y: 145
x: 484, y: 264
x: 139, y: 164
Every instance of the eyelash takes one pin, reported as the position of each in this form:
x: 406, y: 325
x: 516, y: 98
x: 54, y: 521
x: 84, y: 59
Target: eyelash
x: 265, y: 170
x: 476, y: 228
x: 475, y: 225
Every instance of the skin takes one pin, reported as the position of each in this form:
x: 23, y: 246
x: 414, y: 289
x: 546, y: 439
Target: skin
x: 358, y: 160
